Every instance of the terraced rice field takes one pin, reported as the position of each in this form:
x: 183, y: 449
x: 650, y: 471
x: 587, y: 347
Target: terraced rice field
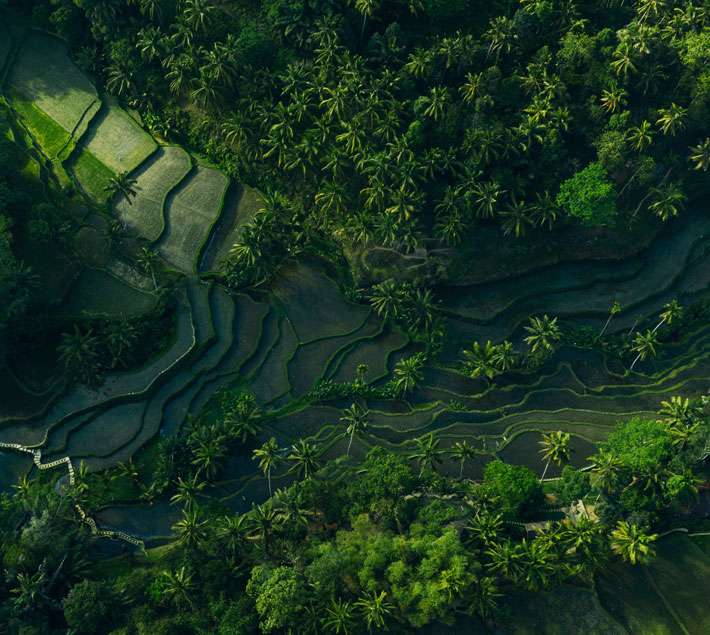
x: 155, y: 178
x: 56, y: 100
x: 282, y: 339
x: 191, y: 212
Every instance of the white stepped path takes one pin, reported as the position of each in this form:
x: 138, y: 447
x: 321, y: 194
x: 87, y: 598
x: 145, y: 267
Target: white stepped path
x: 36, y: 454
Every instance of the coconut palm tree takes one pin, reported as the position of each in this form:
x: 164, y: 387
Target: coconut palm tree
x: 305, y: 457
x: 484, y: 597
x: 269, y: 455
x: 241, y: 420
x: 554, y: 449
x: 516, y: 219
x: 678, y: 411
x: 668, y: 200
x: 427, y: 454
x: 641, y: 136
x: 700, y: 155
x: 623, y: 62
x: 671, y: 120
x: 614, y: 98
x: 178, y: 587
x: 355, y: 419
x: 148, y: 261
x: 614, y: 310
x: 264, y: 520
x: 505, y: 559
x: 605, y: 471
x: 407, y: 374
x: 190, y: 529
x: 461, y: 451
x: 232, y: 532
x: 537, y: 563
x: 544, y: 333
x: 187, y: 490
x: 632, y: 543
x: 79, y: 354
x: 435, y: 102
x: 470, y: 89
x: 485, y: 527
x: 545, y: 210
x: 339, y: 617
x: 480, y: 361
x: 198, y: 14
x: 644, y: 344
x: 375, y: 609
x: 386, y: 299
x: 504, y: 356
x: 672, y: 312
x: 209, y: 453
x: 122, y: 184
x: 486, y: 197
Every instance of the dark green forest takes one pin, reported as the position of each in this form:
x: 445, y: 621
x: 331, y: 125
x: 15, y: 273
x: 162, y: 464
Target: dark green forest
x: 480, y: 141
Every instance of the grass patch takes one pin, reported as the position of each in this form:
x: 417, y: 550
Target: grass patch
x: 92, y: 175
x: 154, y: 180
x: 44, y: 74
x: 48, y: 134
x: 117, y: 141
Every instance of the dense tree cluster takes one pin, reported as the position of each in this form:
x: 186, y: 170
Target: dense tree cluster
x: 388, y: 123
x: 394, y: 545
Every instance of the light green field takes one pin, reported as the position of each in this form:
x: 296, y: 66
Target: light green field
x: 117, y: 141
x: 44, y: 74
x: 46, y: 132
x: 93, y: 176
x: 191, y: 213
x: 154, y: 180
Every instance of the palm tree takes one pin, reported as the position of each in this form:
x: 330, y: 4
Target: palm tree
x: 120, y: 337
x: 545, y: 210
x: 356, y: 419
x: 375, y: 609
x: 427, y: 453
x: 305, y: 457
x: 487, y: 195
x: 178, y: 587
x: 269, y: 455
x: 501, y: 35
x: 516, y: 219
x: 504, y: 356
x: 632, y: 543
x: 386, y: 299
x: 339, y: 617
x: 435, y: 102
x: 614, y: 310
x: 614, y: 98
x: 668, y: 201
x: 122, y: 184
x: 700, y: 155
x: 462, y: 451
x: 537, y: 563
x: 641, y: 136
x: 469, y: 90
x: 187, y: 490
x: 672, y: 311
x: 605, y: 471
x: 367, y: 8
x: 148, y: 260
x: 671, y: 120
x: 623, y: 63
x: 544, y: 334
x: 407, y: 374
x: 485, y: 527
x: 264, y: 521
x: 191, y: 531
x: 241, y: 419
x: 79, y: 354
x: 678, y: 411
x: 419, y: 63
x: 232, y: 532
x: 555, y: 449
x: 505, y: 559
x: 479, y: 361
x: 208, y: 455
x: 485, y: 595
x: 644, y: 345
x: 198, y: 14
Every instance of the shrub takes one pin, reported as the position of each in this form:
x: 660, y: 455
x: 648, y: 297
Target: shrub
x: 589, y: 197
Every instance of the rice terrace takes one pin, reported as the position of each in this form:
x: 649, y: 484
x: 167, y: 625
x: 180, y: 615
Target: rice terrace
x: 344, y: 317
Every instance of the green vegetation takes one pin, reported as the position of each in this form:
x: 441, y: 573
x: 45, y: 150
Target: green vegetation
x: 333, y: 316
